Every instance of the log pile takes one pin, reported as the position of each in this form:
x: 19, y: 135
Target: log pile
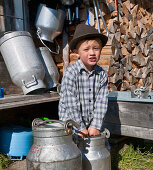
x: 132, y: 46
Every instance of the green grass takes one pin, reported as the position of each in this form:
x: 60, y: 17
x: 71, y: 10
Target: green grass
x: 135, y: 159
x: 134, y: 155
x: 4, y: 161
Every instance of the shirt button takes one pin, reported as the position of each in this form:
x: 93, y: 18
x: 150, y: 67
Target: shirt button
x: 89, y: 89
x: 89, y: 100
x: 90, y: 113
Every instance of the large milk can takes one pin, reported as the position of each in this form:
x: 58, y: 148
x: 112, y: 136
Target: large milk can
x: 95, y: 155
x: 53, y: 147
x: 51, y: 72
x: 22, y: 60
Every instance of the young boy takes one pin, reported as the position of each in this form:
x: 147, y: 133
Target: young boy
x: 84, y: 88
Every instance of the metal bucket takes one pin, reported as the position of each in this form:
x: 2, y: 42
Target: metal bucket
x: 49, y: 22
x: 14, y: 15
x: 51, y: 72
x: 22, y: 61
x: 53, y: 147
x: 95, y: 155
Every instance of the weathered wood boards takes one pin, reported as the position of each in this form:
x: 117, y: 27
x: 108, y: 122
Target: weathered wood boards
x: 130, y: 116
x: 25, y: 100
x: 132, y: 131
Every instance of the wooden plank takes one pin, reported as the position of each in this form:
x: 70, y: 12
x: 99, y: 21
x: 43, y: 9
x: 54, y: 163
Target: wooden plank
x: 65, y: 51
x: 24, y: 100
x: 130, y: 113
x: 132, y: 131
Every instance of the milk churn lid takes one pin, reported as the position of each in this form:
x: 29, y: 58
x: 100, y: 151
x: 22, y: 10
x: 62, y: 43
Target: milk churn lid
x: 52, y: 128
x: 11, y: 34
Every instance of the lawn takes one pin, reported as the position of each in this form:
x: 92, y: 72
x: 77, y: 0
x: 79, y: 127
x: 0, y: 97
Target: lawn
x: 132, y: 154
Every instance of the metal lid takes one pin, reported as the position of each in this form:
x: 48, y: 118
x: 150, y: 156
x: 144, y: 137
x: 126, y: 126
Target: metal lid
x: 52, y: 128
x: 11, y: 34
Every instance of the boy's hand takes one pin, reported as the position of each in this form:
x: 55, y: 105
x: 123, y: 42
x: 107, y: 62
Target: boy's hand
x: 83, y: 133
x: 93, y: 132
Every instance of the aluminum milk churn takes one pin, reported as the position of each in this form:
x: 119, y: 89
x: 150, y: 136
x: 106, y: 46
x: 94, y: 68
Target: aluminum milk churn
x: 22, y: 61
x: 95, y: 155
x: 51, y: 72
x: 53, y: 147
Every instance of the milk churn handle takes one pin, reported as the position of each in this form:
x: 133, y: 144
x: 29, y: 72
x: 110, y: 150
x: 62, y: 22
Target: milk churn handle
x: 106, y: 132
x: 68, y: 125
x: 31, y: 83
x: 38, y: 33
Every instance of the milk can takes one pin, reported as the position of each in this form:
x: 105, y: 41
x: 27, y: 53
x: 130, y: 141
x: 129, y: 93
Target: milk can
x: 95, y: 155
x: 53, y: 147
x: 51, y: 72
x: 22, y: 61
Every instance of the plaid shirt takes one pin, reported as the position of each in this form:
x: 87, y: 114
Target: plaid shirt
x: 84, y: 95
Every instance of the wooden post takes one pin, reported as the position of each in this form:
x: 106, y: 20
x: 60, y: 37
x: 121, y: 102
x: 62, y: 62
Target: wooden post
x: 65, y: 50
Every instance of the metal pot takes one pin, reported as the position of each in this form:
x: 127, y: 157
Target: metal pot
x: 53, y: 147
x: 49, y: 22
x: 95, y: 155
x: 22, y: 61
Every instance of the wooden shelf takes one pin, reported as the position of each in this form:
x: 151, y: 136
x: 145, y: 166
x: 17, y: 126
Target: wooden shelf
x: 12, y: 101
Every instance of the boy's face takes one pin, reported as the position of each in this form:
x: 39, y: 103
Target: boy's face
x: 89, y: 52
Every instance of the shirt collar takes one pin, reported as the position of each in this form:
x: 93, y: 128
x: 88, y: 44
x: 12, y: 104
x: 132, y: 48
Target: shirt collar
x: 81, y: 67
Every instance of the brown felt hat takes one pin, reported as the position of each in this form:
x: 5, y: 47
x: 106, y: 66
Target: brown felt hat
x: 86, y: 32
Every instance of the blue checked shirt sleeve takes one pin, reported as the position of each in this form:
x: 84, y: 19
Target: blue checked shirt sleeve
x: 101, y: 103
x: 69, y: 101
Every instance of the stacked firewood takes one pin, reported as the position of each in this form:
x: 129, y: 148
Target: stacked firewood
x: 131, y: 64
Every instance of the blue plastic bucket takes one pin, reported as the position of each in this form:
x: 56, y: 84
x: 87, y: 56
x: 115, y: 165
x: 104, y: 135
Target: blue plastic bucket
x: 16, y: 141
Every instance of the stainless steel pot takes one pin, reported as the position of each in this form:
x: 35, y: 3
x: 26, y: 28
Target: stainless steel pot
x: 49, y: 22
x: 22, y: 61
x: 53, y: 148
x: 95, y: 155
